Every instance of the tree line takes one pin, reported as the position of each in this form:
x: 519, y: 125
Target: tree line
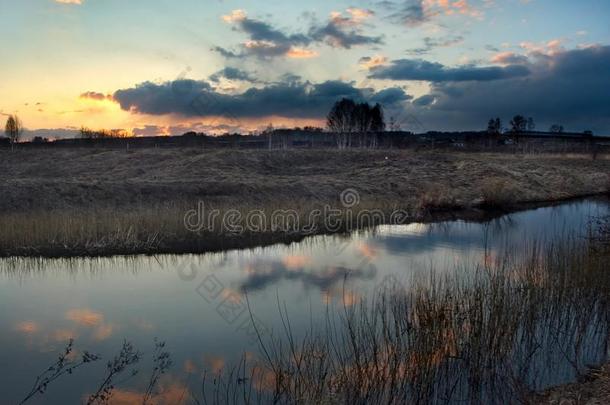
x: 87, y: 133
x: 353, y: 122
x: 519, y: 124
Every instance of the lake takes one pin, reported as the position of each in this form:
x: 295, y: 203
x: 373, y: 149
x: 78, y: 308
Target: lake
x: 204, y: 306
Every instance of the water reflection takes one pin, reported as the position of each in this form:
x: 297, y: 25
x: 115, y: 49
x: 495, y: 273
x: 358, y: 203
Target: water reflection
x: 100, y: 302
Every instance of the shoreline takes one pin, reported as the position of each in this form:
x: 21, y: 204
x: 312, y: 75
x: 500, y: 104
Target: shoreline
x: 97, y: 203
x: 591, y: 388
x: 249, y: 241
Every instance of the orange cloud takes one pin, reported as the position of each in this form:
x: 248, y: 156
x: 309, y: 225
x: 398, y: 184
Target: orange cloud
x: 27, y: 327
x: 295, y: 262
x: 190, y: 367
x: 360, y: 14
x: 63, y: 335
x: 448, y: 7
x: 508, y: 58
x: 103, y: 332
x: 214, y: 363
x: 169, y: 393
x: 92, y: 95
x: 371, y: 62
x: 85, y: 317
x: 549, y: 48
x: 351, y: 298
x: 367, y: 251
x: 301, y: 53
x: 235, y: 16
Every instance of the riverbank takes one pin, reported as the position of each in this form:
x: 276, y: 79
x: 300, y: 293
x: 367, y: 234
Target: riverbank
x: 88, y: 202
x: 594, y: 389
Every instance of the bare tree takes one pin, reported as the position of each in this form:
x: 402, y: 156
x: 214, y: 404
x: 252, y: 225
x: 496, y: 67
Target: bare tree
x: 341, y: 119
x: 531, y: 125
x: 494, y: 127
x: 518, y: 124
x: 377, y: 123
x: 347, y: 117
x: 13, y: 129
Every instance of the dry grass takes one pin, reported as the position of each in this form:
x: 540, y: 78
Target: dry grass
x: 593, y: 389
x: 103, y: 201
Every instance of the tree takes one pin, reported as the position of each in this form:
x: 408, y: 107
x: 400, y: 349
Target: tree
x: 518, y: 124
x: 494, y: 127
x: 341, y: 116
x: 347, y: 117
x: 531, y: 125
x: 377, y: 119
x: 13, y: 129
x: 342, y: 120
x: 556, y: 129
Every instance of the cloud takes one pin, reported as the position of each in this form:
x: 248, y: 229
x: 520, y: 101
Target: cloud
x: 390, y: 96
x: 85, y: 317
x: 77, y: 2
x: 345, y: 31
x: 232, y: 73
x: 418, y: 69
x: 412, y: 13
x: 262, y: 275
x: 432, y: 43
x: 509, y: 58
x: 566, y: 87
x: 369, y: 62
x: 92, y: 95
x: 417, y: 12
x: 426, y: 100
x: 301, y: 53
x: 266, y: 41
x: 235, y: 16
x: 28, y: 327
x: 291, y: 98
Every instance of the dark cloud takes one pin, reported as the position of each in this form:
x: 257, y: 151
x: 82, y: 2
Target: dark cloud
x: 570, y: 88
x: 391, y: 96
x: 424, y: 100
x: 409, y: 12
x: 92, y: 95
x: 292, y: 98
x: 345, y: 32
x: 157, y: 99
x: 265, y: 274
x: 266, y: 41
x: 226, y: 53
x: 418, y: 69
x: 432, y: 43
x: 232, y: 73
x: 413, y: 13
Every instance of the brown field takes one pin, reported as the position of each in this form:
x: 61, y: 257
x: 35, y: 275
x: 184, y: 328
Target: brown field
x: 96, y: 201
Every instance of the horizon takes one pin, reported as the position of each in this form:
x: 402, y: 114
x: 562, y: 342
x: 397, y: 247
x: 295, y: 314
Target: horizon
x: 159, y: 68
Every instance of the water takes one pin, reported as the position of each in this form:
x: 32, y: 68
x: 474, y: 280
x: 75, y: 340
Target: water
x: 197, y: 306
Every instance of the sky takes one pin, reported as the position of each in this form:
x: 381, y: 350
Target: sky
x: 159, y: 67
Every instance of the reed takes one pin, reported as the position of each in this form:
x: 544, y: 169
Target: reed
x: 509, y: 329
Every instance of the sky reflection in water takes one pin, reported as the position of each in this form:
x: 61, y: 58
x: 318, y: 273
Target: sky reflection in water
x: 200, y: 310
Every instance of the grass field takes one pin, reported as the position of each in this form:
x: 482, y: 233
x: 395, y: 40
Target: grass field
x: 90, y: 201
